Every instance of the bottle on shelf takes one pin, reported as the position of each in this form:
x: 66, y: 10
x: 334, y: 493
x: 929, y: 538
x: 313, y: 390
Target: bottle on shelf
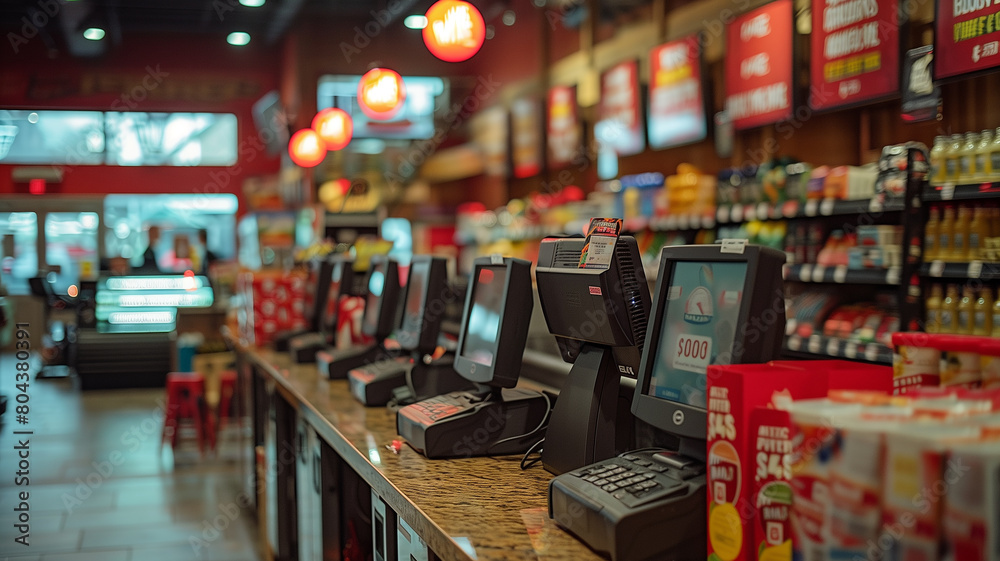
x: 931, y: 232
x: 952, y: 157
x: 967, y: 158
x: 938, y: 159
x: 995, y: 327
x: 933, y: 305
x: 949, y: 310
x: 979, y: 230
x: 983, y: 315
x: 995, y: 156
x: 946, y: 234
x: 966, y: 321
x: 960, y: 241
x: 984, y: 165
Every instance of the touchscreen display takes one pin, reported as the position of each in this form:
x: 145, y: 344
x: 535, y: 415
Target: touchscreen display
x: 698, y: 327
x: 376, y: 283
x: 483, y: 326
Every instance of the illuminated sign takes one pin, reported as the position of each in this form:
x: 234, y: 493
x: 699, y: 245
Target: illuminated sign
x: 426, y: 96
x: 966, y: 37
x: 620, y: 109
x: 131, y: 318
x: 155, y: 283
x: 455, y: 30
x: 335, y: 127
x: 306, y: 148
x: 564, y: 138
x: 676, y: 103
x: 759, y: 66
x: 526, y: 136
x: 381, y: 93
x: 199, y: 298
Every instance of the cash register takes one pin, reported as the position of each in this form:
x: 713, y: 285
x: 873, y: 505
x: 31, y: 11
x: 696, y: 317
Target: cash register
x: 596, y: 302
x: 496, y: 418
x: 380, y: 318
x: 315, y: 285
x: 419, y: 372
x: 338, y: 272
x: 709, y: 308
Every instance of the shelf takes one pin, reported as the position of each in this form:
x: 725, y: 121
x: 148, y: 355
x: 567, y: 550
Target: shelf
x: 836, y: 347
x: 840, y: 274
x: 970, y: 270
x: 965, y: 192
x: 679, y: 222
x: 736, y: 213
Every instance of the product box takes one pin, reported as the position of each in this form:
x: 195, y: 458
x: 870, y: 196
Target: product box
x: 741, y: 504
x: 915, y: 363
x: 971, y: 517
x: 273, y: 302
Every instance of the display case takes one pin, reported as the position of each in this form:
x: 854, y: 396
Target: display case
x: 148, y: 304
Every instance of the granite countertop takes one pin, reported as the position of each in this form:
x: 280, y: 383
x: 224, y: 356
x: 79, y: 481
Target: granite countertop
x: 465, y: 509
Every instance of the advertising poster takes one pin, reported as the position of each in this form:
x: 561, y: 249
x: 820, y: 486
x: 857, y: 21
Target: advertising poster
x: 565, y: 140
x: 676, y: 99
x: 759, y: 66
x: 526, y: 136
x: 621, y: 109
x: 966, y: 37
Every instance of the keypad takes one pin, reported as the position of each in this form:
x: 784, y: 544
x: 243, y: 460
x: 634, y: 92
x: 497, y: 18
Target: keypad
x: 636, y: 476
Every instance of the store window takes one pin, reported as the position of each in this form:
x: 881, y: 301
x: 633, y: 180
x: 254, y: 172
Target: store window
x: 18, y: 251
x: 71, y: 249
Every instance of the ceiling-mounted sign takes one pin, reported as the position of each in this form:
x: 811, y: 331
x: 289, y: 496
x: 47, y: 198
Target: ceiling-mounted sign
x: 620, y: 109
x: 563, y: 126
x: 759, y: 66
x: 966, y: 37
x: 855, y: 51
x: 676, y: 102
x: 381, y: 93
x: 334, y: 126
x: 455, y: 30
x: 526, y: 136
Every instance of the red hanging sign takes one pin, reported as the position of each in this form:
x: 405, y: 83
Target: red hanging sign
x: 759, y: 66
x: 966, y: 37
x: 526, y: 136
x: 621, y: 106
x: 676, y: 103
x: 855, y: 51
x: 381, y: 93
x: 563, y: 125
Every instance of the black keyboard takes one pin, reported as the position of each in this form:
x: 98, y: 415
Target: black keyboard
x: 636, y: 478
x: 439, y: 407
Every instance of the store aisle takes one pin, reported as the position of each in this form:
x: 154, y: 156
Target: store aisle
x: 100, y: 488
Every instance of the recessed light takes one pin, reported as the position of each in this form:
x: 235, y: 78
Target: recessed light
x: 238, y: 38
x: 252, y: 3
x: 415, y: 22
x: 509, y: 17
x: 94, y: 34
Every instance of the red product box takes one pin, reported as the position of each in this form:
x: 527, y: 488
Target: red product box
x: 749, y: 448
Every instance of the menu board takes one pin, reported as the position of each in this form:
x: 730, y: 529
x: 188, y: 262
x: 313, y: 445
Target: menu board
x: 966, y: 37
x: 759, y: 66
x: 621, y: 109
x: 564, y: 137
x: 526, y: 136
x: 855, y: 51
x: 676, y: 103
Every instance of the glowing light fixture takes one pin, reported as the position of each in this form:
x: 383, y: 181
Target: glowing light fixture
x: 455, y: 30
x: 306, y: 148
x: 415, y: 22
x: 252, y: 3
x: 238, y: 38
x: 381, y: 93
x: 93, y: 33
x: 335, y: 127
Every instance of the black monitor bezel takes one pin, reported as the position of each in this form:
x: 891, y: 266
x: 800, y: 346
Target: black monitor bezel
x: 321, y: 294
x: 683, y: 420
x: 424, y: 337
x: 328, y: 325
x: 512, y: 333
x: 387, y: 302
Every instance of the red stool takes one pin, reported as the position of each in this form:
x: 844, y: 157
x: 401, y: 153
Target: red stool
x: 185, y: 400
x: 227, y: 402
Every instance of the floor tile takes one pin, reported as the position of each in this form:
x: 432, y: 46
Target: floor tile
x: 152, y: 535
x: 39, y: 543
x: 105, y: 555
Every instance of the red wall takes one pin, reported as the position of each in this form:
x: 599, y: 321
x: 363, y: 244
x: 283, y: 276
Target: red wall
x: 181, y: 73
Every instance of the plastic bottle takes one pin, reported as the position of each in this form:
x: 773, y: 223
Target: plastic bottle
x: 938, y: 159
x: 984, y: 165
x: 967, y: 158
x: 952, y: 156
x: 995, y: 156
x: 979, y: 230
x: 966, y: 322
x: 946, y: 234
x: 960, y: 242
x: 933, y: 305
x: 983, y: 316
x: 949, y: 311
x: 931, y: 232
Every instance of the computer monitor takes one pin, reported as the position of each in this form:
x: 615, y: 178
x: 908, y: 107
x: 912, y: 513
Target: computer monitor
x: 382, y: 302
x: 598, y: 314
x: 341, y: 280
x: 714, y: 304
x: 316, y: 284
x: 424, y: 308
x: 495, y: 326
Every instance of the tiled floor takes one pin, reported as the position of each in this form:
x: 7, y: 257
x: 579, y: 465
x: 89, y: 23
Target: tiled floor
x: 101, y: 489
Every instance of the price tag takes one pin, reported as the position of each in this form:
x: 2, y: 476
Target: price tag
x: 815, y: 344
x: 947, y: 191
x: 692, y: 353
x: 937, y: 268
x: 763, y: 210
x: 684, y: 222
x: 875, y: 206
x: 496, y: 259
x: 819, y: 273
x: 794, y: 343
x: 811, y: 207
x: 722, y: 215
x: 892, y: 275
x: 833, y: 348
x: 826, y: 207
x: 736, y: 214
x: 850, y: 351
x: 871, y: 353
x: 975, y: 269
x: 840, y: 274
x: 805, y: 273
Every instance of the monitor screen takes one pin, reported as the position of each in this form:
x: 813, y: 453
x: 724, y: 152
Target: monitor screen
x: 699, y: 322
x: 483, y: 325
x: 416, y: 288
x: 333, y: 298
x: 376, y: 284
